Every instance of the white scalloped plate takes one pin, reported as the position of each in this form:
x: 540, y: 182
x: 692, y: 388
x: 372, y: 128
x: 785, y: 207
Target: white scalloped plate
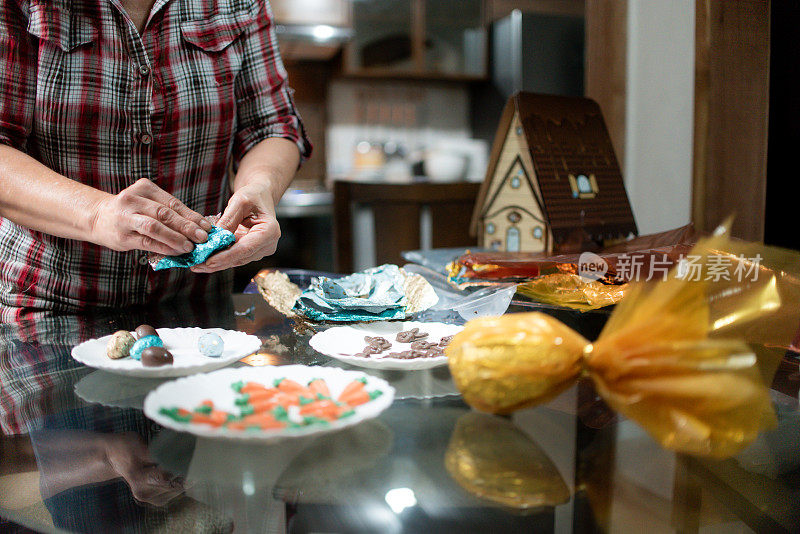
x: 181, y: 342
x: 190, y: 391
x: 342, y: 342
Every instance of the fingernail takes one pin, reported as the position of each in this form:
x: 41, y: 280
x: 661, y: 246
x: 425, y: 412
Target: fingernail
x: 201, y: 236
x: 206, y: 224
x: 188, y: 247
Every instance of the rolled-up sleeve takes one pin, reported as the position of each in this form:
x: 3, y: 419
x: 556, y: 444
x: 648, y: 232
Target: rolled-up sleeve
x: 264, y: 99
x: 17, y: 76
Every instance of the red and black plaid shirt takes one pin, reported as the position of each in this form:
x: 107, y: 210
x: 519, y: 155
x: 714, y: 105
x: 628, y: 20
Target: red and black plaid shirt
x: 83, y: 93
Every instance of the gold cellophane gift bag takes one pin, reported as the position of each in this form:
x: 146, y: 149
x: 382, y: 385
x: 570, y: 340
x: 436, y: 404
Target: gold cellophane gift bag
x: 572, y: 291
x: 689, y: 358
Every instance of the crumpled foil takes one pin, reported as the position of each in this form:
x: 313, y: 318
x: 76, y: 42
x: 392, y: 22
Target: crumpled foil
x: 381, y: 293
x: 218, y: 239
x: 373, y: 294
x: 689, y: 358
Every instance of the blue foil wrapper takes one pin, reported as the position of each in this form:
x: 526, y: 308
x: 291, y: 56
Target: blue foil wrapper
x: 218, y: 239
x: 373, y: 294
x: 145, y: 342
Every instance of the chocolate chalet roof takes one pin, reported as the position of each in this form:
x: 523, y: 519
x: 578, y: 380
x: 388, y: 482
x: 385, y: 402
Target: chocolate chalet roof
x: 566, y: 135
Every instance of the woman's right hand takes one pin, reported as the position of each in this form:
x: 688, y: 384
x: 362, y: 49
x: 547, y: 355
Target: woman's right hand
x: 143, y: 216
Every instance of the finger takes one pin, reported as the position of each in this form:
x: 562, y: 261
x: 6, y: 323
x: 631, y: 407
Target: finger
x: 251, y: 247
x: 155, y: 193
x: 171, y: 219
x: 224, y: 260
x: 237, y: 210
x: 152, y: 233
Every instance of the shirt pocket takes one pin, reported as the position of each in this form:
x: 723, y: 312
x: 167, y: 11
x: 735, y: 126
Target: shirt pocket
x: 211, y: 42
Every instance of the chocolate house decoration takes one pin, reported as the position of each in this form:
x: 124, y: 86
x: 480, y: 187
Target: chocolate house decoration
x: 553, y: 180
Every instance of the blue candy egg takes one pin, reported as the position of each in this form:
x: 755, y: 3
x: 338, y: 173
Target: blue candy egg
x: 143, y: 343
x: 211, y: 345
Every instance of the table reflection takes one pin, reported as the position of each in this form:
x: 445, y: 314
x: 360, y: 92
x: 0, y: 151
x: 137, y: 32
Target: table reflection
x: 76, y: 452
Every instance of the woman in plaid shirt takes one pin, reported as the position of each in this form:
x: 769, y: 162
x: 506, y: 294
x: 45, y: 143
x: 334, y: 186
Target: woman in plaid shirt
x: 118, y: 122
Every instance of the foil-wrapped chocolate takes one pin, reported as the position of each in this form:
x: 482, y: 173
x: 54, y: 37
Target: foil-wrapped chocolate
x: 689, y: 358
x: 218, y: 239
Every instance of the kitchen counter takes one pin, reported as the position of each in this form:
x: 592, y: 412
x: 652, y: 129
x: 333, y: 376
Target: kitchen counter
x: 305, y: 203
x: 63, y: 423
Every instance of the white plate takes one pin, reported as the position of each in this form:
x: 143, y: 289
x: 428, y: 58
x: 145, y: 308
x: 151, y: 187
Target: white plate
x: 114, y: 390
x: 181, y: 342
x: 342, y: 342
x: 190, y: 391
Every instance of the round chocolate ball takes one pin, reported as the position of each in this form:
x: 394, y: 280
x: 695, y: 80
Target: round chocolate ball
x: 144, y: 330
x: 156, y: 357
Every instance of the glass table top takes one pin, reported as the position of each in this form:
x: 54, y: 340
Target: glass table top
x: 78, y: 455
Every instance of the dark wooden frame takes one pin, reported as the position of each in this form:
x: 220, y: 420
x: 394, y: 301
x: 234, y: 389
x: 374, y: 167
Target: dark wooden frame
x: 396, y: 209
x: 732, y: 44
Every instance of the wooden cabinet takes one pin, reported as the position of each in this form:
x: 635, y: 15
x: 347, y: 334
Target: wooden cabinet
x: 443, y: 39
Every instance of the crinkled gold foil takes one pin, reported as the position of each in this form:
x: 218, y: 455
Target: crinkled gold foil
x: 572, y: 291
x: 689, y: 358
x: 502, y: 364
x: 278, y: 290
x: 492, y: 459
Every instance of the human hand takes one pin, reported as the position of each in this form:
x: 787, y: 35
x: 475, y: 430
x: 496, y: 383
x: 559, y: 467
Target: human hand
x: 250, y: 215
x: 128, y: 457
x: 144, y: 216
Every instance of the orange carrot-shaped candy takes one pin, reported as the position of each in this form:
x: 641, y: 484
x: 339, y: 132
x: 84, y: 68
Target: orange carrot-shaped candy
x: 252, y: 387
x: 215, y: 418
x: 288, y: 399
x: 318, y: 387
x: 359, y: 397
x: 289, y: 386
x: 353, y: 387
x: 264, y: 394
x: 263, y: 420
x: 322, y: 408
x: 265, y: 404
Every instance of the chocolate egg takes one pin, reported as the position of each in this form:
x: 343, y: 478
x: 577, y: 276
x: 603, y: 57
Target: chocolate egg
x: 144, y: 330
x: 119, y: 345
x: 156, y: 357
x: 143, y: 343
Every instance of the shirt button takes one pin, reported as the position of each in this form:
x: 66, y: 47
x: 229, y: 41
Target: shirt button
x: 143, y: 259
x: 144, y: 70
x: 146, y: 139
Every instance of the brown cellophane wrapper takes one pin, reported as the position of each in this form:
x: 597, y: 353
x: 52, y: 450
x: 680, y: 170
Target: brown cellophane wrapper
x: 573, y: 291
x: 688, y: 359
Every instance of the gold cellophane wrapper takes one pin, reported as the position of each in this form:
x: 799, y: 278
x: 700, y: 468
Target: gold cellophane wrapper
x: 572, y: 291
x: 491, y: 458
x: 690, y: 359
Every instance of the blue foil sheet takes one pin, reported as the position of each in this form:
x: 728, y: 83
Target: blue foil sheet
x: 218, y: 239
x: 373, y: 294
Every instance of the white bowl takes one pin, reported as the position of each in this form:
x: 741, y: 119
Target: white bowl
x: 445, y: 166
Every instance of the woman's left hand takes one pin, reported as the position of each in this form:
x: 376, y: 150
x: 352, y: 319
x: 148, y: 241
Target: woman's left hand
x: 250, y: 215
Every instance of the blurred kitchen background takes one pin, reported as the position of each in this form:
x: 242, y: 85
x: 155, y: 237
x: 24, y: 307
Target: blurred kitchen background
x: 402, y: 99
